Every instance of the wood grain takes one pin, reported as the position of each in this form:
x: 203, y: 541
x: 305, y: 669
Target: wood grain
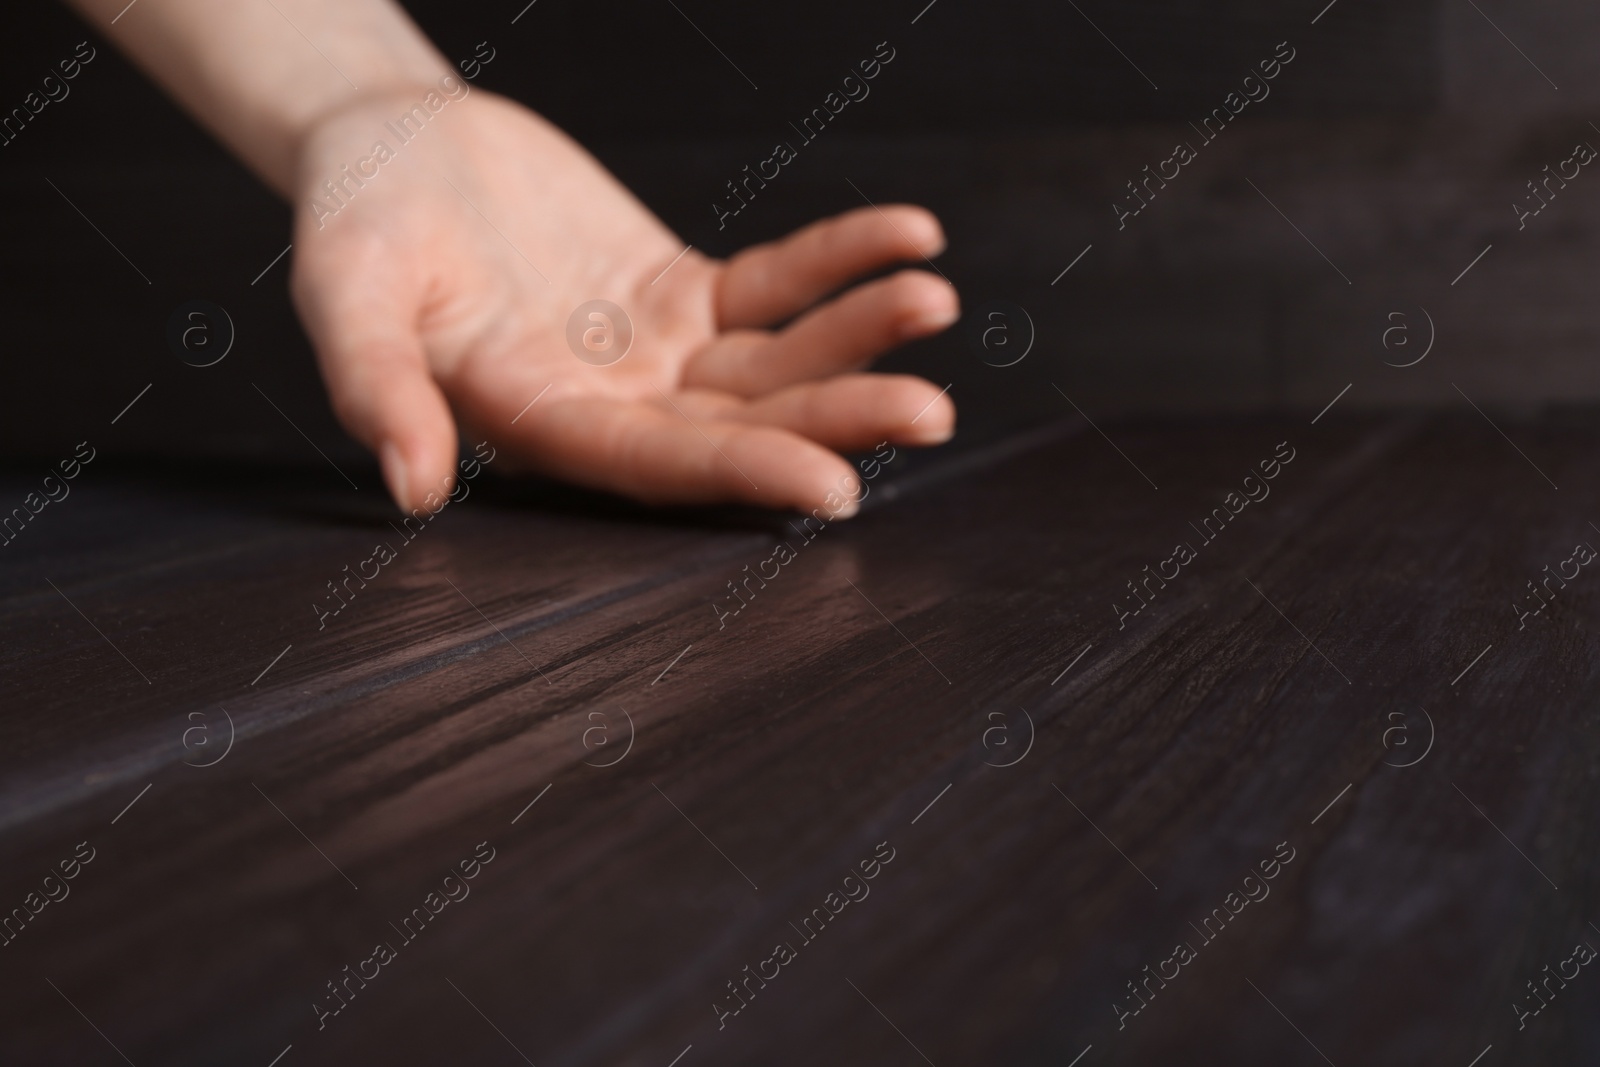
x: 861, y: 686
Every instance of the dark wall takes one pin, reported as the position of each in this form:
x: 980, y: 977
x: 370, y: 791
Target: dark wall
x: 615, y: 69
x: 1395, y: 141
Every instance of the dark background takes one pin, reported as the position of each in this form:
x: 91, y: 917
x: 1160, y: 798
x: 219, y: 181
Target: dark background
x: 1396, y: 141
x: 1254, y: 702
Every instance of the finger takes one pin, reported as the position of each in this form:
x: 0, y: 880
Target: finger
x: 844, y: 334
x: 377, y: 374
x: 654, y: 453
x: 857, y: 411
x: 770, y: 283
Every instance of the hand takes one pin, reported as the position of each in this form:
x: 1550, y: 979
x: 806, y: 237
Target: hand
x: 441, y: 289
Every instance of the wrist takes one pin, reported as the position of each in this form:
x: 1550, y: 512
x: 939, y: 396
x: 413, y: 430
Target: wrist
x: 393, y: 107
x: 352, y: 142
x: 261, y: 76
x: 377, y: 83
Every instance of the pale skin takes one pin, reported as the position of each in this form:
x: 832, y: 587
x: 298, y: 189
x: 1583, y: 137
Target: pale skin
x: 438, y: 296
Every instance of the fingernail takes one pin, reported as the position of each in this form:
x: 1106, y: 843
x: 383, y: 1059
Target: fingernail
x: 394, y: 472
x: 930, y: 320
x: 931, y: 433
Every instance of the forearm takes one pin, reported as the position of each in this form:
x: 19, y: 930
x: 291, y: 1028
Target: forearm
x: 258, y: 73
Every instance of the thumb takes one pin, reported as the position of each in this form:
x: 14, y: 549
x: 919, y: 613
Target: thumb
x: 385, y: 396
x: 382, y: 390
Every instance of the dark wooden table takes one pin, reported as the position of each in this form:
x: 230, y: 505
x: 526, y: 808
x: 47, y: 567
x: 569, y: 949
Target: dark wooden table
x: 1325, y: 798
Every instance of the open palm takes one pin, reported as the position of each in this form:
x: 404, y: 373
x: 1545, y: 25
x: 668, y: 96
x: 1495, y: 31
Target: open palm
x: 442, y: 289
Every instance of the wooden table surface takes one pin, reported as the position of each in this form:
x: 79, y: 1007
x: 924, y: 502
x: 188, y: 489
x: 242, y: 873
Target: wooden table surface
x: 1326, y: 797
